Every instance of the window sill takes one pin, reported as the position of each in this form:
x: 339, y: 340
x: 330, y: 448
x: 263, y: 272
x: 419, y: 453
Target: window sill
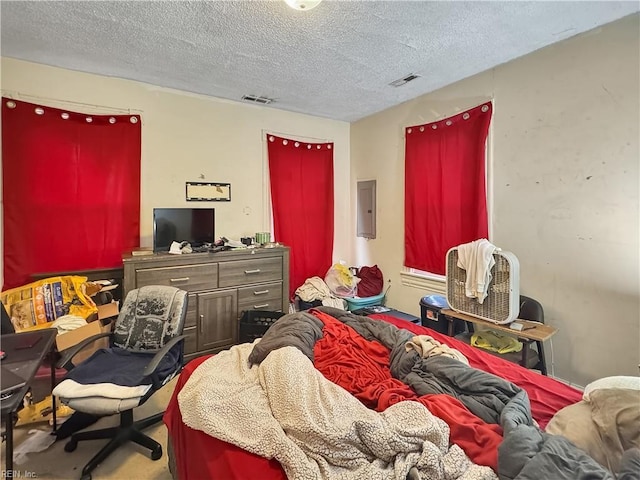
x: 432, y: 284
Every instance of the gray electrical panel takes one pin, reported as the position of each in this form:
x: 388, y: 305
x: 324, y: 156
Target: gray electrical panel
x: 366, y: 209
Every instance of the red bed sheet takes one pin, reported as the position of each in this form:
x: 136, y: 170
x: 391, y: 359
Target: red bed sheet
x: 361, y: 367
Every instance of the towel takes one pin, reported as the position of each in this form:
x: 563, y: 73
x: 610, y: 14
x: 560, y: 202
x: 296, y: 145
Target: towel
x: 427, y: 346
x: 314, y: 288
x: 477, y: 259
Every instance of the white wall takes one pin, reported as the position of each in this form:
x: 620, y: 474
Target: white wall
x: 563, y: 160
x: 564, y: 173
x: 188, y: 137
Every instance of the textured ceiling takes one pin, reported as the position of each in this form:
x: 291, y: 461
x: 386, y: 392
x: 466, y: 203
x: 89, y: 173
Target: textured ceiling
x: 334, y: 61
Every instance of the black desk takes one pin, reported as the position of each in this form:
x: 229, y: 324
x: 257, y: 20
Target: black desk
x: 24, y: 363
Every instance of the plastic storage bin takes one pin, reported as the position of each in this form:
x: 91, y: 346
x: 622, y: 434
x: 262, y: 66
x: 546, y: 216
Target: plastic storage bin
x: 255, y: 323
x: 430, y: 311
x: 356, y: 303
x: 302, y: 305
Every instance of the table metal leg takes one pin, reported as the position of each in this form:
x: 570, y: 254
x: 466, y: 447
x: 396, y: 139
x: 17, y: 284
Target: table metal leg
x: 451, y: 322
x: 525, y: 353
x: 543, y: 361
x: 9, y: 440
x: 470, y: 327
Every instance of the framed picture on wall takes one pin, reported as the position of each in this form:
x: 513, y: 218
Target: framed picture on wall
x: 208, y: 192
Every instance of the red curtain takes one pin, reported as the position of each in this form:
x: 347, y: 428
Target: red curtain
x: 71, y: 189
x: 445, y: 193
x: 302, y: 201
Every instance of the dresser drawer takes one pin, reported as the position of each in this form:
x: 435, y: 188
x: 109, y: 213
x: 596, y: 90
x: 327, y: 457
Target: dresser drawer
x: 244, y: 272
x: 260, y: 297
x: 188, y: 277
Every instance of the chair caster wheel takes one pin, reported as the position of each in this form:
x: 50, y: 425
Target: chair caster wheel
x: 156, y: 453
x: 71, y: 445
x: 86, y: 477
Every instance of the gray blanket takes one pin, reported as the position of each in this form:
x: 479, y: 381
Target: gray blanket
x: 526, y: 452
x: 301, y: 330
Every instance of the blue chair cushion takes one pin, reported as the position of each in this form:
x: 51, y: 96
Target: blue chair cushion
x: 123, y: 367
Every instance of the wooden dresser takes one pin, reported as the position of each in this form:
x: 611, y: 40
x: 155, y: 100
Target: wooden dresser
x: 221, y: 286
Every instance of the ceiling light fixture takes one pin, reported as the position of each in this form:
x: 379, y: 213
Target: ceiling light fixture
x: 302, y: 4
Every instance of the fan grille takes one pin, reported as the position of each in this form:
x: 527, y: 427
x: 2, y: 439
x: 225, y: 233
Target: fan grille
x: 496, y: 307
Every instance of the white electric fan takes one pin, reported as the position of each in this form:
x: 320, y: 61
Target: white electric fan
x: 502, y: 304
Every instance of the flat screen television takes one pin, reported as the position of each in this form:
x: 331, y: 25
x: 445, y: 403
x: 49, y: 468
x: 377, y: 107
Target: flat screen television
x: 193, y: 225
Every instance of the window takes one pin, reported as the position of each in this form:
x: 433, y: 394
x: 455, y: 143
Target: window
x: 71, y: 189
x: 301, y: 181
x: 445, y: 191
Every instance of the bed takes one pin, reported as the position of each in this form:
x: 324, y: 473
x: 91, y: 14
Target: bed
x: 495, y: 411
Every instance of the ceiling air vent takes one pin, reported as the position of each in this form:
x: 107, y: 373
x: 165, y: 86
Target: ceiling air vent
x: 403, y: 80
x: 256, y: 99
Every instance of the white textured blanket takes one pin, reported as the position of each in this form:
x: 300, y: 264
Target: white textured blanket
x: 285, y: 409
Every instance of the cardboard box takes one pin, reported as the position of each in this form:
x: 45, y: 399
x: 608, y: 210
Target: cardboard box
x: 108, y: 310
x: 69, y: 339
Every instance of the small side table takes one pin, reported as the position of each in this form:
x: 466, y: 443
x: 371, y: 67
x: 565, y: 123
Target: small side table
x: 531, y: 332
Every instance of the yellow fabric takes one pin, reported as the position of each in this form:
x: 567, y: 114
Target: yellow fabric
x: 42, y: 412
x: 346, y: 277
x: 496, y: 342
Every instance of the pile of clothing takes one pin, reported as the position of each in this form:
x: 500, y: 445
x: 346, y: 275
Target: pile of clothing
x: 315, y: 291
x: 340, y: 282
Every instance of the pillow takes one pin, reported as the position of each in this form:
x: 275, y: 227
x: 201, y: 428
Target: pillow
x: 575, y: 423
x: 625, y: 382
x: 605, y: 426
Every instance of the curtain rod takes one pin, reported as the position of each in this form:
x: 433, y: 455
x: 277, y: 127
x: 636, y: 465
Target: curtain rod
x: 291, y: 136
x: 30, y: 98
x: 441, y: 116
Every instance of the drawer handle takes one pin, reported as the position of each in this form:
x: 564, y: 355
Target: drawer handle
x: 261, y: 292
x: 257, y: 270
x: 264, y: 305
x: 175, y: 280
